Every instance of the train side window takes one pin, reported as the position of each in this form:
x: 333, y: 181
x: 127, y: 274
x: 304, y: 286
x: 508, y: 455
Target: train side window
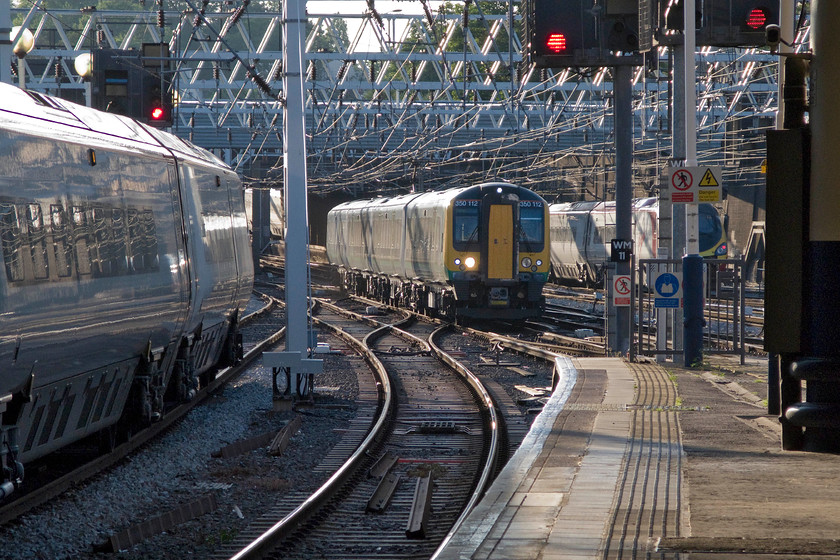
x: 609, y: 233
x: 574, y: 224
x: 37, y: 241
x: 62, y: 248
x: 596, y: 236
x: 119, y: 259
x: 135, y: 240
x: 10, y: 242
x: 81, y: 240
x: 150, y: 246
x: 101, y: 242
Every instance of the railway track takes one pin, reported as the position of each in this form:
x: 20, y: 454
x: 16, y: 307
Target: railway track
x: 426, y: 449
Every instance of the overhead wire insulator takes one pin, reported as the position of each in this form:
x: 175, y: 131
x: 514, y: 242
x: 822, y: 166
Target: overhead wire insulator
x: 372, y: 70
x: 466, y: 19
x: 429, y: 16
x: 216, y: 71
x: 261, y: 83
x: 161, y: 19
x: 278, y: 71
x: 378, y: 18
x: 342, y: 71
x: 237, y: 15
x: 313, y: 72
x: 199, y: 17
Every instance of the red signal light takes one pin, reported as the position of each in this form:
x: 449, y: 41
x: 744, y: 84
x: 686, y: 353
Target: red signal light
x: 556, y: 42
x: 157, y: 113
x: 756, y: 18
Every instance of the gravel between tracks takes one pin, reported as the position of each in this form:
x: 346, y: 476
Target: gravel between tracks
x: 179, y: 469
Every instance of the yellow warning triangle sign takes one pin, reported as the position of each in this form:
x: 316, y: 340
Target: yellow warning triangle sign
x: 708, y: 179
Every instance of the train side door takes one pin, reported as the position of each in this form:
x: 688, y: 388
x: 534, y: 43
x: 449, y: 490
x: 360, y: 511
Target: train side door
x: 500, y: 241
x: 181, y: 270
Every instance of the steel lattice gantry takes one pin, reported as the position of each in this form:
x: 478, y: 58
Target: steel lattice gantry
x: 408, y: 98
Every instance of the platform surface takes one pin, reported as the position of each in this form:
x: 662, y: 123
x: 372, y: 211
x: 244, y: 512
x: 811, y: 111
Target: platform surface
x: 647, y: 459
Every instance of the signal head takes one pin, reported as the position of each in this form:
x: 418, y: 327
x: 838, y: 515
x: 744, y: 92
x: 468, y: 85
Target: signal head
x: 756, y: 18
x: 556, y: 43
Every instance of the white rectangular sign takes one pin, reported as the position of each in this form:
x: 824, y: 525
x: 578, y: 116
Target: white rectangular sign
x: 621, y: 291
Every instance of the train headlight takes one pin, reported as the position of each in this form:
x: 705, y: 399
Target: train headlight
x: 526, y: 262
x: 457, y: 262
x: 539, y: 262
x: 470, y: 262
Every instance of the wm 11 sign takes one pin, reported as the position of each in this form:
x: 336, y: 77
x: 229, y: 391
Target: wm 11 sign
x: 622, y: 250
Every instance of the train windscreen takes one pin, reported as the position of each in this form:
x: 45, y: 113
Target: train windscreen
x: 711, y: 230
x: 532, y: 225
x: 465, y: 224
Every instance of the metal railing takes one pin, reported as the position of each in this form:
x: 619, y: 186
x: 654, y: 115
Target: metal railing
x: 724, y: 330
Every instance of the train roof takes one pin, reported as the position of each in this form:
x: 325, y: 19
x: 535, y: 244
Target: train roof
x: 471, y: 191
x: 602, y: 205
x: 43, y: 115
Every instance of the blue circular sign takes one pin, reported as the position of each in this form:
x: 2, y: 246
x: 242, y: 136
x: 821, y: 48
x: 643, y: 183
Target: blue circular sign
x: 667, y: 285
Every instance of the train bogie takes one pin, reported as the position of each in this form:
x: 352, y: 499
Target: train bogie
x: 125, y: 263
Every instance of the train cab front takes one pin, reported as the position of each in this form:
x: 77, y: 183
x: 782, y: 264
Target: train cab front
x: 499, y: 254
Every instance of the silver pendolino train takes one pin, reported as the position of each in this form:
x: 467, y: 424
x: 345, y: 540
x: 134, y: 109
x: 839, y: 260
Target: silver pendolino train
x: 125, y: 266
x: 581, y: 234
x: 470, y: 252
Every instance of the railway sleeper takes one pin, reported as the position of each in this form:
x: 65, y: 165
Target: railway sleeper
x: 383, y: 493
x: 421, y: 507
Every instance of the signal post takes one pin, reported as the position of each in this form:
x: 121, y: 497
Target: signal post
x: 586, y: 33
